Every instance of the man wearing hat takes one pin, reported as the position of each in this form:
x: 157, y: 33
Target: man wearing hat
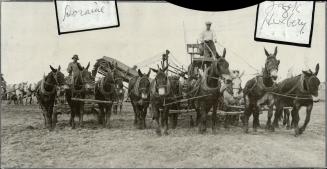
x: 208, y: 40
x: 74, y: 67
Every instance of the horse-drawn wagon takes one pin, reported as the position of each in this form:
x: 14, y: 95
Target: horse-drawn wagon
x: 86, y: 97
x: 196, y: 90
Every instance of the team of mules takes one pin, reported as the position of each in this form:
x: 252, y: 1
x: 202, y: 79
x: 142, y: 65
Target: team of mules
x: 20, y: 94
x: 207, y: 92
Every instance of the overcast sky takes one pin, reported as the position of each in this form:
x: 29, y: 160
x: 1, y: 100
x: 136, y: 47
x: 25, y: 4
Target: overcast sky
x: 30, y: 42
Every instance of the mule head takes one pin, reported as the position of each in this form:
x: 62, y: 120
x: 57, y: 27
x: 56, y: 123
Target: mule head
x: 272, y: 64
x: 144, y: 84
x: 222, y: 65
x: 311, y: 82
x: 57, y: 76
x: 87, y: 77
x: 161, y: 80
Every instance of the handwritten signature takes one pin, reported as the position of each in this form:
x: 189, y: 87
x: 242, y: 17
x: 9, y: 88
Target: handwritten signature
x: 71, y: 12
x: 284, y: 13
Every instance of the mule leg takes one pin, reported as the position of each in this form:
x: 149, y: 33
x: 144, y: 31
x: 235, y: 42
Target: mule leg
x: 246, y: 116
x: 307, y: 118
x: 45, y: 119
x: 198, y: 116
x: 293, y: 117
x: 143, y: 117
x: 120, y: 107
x: 256, y: 122
x: 156, y: 116
x: 175, y: 120
x: 81, y: 114
x: 135, y: 113
x: 270, y: 114
x: 108, y: 115
x: 115, y: 109
x: 247, y: 113
x: 287, y: 119
x: 271, y: 103
x: 139, y: 117
x: 103, y: 116
x: 48, y: 118
x: 296, y: 119
x: 203, y: 118
x: 165, y: 116
x: 214, y: 118
x: 100, y: 114
x: 72, y: 117
x: 52, y: 118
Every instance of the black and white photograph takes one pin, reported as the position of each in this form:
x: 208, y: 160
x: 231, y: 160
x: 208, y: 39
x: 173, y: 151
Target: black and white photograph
x: 150, y: 84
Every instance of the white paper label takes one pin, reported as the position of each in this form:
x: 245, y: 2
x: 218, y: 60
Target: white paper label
x: 286, y: 21
x: 85, y: 15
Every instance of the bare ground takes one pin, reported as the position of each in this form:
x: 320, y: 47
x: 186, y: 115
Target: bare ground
x: 25, y: 143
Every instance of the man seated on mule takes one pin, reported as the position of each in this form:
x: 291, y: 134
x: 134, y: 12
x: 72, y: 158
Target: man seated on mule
x: 208, y: 40
x: 73, y: 68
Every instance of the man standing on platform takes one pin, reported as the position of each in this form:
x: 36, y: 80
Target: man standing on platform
x: 208, y: 40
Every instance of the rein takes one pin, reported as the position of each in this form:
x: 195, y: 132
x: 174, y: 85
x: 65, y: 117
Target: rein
x: 288, y: 94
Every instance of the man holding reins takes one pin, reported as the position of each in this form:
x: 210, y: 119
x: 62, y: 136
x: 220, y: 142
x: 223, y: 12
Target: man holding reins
x: 208, y: 40
x: 73, y: 68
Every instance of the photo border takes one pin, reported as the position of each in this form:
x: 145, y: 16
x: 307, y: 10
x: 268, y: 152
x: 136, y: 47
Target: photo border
x: 285, y: 42
x: 84, y: 30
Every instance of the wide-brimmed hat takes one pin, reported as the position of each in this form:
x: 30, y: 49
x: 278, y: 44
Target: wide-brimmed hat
x: 75, y: 57
x: 208, y: 23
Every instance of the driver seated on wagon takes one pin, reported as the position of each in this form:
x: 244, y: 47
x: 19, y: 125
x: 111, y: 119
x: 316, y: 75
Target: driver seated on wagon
x: 73, y: 68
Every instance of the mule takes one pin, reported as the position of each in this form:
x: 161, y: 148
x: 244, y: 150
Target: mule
x: 82, y: 84
x: 46, y: 93
x: 302, y: 89
x: 120, y: 93
x: 11, y: 94
x: 139, y: 94
x: 105, y: 90
x: 255, y: 92
x: 29, y: 89
x: 160, y: 94
x: 20, y: 92
x: 208, y: 89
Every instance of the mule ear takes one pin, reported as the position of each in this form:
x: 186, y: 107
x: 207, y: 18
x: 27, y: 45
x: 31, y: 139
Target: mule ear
x: 140, y: 73
x: 59, y: 68
x: 275, y: 53
x: 266, y: 52
x: 52, y: 69
x: 149, y: 72
x: 88, y: 65
x: 317, y: 69
x: 224, y: 53
x: 155, y: 70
